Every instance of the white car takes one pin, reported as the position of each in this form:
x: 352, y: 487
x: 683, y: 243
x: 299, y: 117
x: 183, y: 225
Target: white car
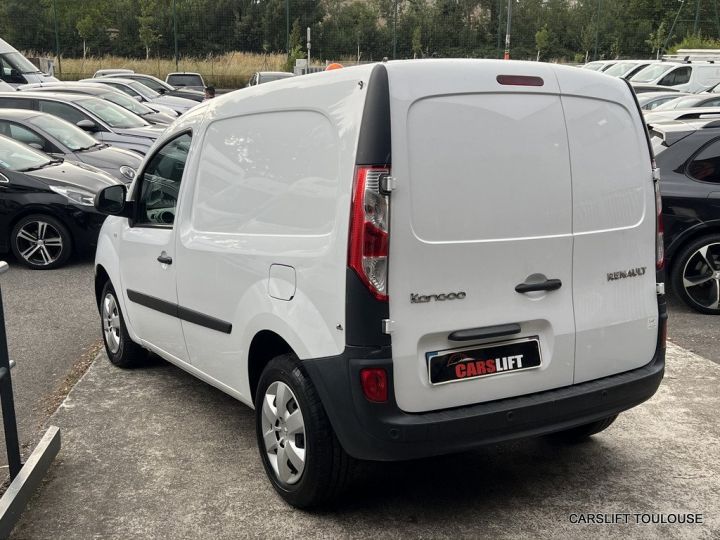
x: 397, y: 260
x: 683, y: 76
x: 665, y: 115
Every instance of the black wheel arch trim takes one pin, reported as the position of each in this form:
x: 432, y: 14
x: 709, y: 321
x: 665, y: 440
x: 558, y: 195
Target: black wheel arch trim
x: 180, y: 312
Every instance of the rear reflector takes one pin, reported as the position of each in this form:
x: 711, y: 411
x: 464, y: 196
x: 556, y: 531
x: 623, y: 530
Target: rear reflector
x: 520, y: 80
x: 659, y: 227
x: 374, y: 384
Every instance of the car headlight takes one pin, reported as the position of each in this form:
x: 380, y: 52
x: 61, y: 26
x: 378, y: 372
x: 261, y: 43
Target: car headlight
x: 75, y: 195
x: 127, y: 172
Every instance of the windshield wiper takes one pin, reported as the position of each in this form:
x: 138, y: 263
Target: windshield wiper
x: 36, y: 167
x: 83, y: 148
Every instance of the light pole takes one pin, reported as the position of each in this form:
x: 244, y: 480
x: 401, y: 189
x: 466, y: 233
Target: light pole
x: 597, y: 29
x: 395, y: 29
x: 175, y: 34
x: 507, y: 31
x: 287, y: 26
x: 57, y: 37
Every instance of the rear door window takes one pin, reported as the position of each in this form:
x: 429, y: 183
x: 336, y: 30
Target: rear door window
x: 63, y: 110
x: 705, y: 165
x: 15, y: 103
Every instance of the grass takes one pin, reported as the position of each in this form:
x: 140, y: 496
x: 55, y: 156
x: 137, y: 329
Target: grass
x: 230, y: 70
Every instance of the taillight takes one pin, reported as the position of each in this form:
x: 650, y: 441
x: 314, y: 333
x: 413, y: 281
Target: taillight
x: 370, y: 230
x: 659, y: 228
x: 374, y: 384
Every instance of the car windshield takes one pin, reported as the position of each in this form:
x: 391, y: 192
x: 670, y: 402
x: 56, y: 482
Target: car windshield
x: 620, y: 69
x: 153, y: 83
x: 126, y: 102
x: 185, y: 80
x: 71, y: 136
x: 143, y: 90
x: 650, y: 73
x: 16, y: 156
x: 19, y: 62
x: 113, y: 115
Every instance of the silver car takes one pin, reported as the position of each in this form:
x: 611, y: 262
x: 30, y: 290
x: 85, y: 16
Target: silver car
x: 144, y: 94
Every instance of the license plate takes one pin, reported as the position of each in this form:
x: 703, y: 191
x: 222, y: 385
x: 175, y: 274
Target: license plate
x: 483, y: 361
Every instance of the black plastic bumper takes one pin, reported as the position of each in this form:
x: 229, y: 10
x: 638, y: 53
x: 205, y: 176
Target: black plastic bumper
x: 381, y: 431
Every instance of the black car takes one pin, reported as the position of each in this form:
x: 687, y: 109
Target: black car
x: 46, y: 206
x: 59, y: 138
x: 688, y: 156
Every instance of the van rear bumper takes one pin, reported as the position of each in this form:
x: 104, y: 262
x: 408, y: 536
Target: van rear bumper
x: 383, y: 432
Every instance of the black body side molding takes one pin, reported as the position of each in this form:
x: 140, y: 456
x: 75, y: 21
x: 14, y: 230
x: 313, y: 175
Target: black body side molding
x: 174, y: 310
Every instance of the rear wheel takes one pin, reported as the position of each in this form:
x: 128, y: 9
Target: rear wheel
x: 302, y: 457
x: 696, y: 274
x: 41, y: 242
x: 121, y: 350
x: 580, y: 433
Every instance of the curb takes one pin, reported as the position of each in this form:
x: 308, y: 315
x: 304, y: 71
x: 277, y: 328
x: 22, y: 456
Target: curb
x: 15, y: 499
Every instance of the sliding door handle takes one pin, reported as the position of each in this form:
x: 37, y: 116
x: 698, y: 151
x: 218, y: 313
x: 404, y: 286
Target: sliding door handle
x: 164, y: 258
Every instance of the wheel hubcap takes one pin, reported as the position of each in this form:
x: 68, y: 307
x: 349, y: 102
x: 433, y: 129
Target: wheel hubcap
x: 283, y: 430
x: 111, y: 323
x: 701, y: 277
x: 39, y: 243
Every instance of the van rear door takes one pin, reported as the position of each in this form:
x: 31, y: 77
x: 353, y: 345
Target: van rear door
x: 616, y: 310
x: 483, y: 205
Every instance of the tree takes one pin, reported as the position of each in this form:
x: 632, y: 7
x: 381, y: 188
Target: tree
x: 85, y: 28
x: 148, y: 31
x: 542, y: 41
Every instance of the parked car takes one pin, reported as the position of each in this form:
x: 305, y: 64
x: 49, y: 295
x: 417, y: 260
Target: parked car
x: 46, y: 206
x: 643, y: 88
x: 260, y: 77
x: 657, y: 115
x: 686, y: 77
x: 112, y: 71
x: 161, y: 87
x: 152, y: 113
x: 521, y: 299
x: 652, y: 100
x: 107, y: 122
x: 186, y: 79
x: 15, y: 69
x: 625, y: 69
x: 143, y: 94
x: 58, y: 138
x: 693, y: 101
x: 600, y: 65
x: 688, y: 156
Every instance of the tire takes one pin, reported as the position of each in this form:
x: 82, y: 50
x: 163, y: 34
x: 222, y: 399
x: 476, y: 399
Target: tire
x: 321, y: 468
x: 122, y: 351
x: 699, y: 262
x: 41, y: 242
x: 581, y: 433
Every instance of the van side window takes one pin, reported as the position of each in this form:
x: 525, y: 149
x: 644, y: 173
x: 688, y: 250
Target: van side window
x: 62, y: 110
x: 677, y: 76
x: 160, y: 184
x: 705, y: 165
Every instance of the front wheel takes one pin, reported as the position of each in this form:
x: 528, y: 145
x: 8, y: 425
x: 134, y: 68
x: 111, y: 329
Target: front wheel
x: 121, y: 350
x: 41, y: 242
x: 302, y: 457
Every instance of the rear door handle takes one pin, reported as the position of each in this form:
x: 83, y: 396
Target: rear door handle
x: 164, y: 258
x: 485, y: 332
x: 547, y: 285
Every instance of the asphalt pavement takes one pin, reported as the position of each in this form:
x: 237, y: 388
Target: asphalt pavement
x: 52, y: 328
x: 156, y: 453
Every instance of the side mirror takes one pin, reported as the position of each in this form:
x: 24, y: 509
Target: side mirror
x: 138, y: 98
x: 111, y: 201
x: 162, y: 90
x: 36, y: 146
x: 87, y: 125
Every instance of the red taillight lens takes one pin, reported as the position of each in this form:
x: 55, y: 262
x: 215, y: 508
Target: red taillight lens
x: 368, y: 244
x: 374, y: 384
x: 659, y: 229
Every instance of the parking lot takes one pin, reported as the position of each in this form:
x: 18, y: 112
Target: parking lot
x: 156, y: 453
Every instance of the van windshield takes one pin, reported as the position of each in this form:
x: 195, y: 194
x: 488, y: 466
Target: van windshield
x: 18, y: 62
x: 620, y: 69
x: 650, y: 73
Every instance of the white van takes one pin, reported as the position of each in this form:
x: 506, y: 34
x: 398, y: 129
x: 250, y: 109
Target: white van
x: 396, y: 260
x: 682, y: 76
x: 15, y: 69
